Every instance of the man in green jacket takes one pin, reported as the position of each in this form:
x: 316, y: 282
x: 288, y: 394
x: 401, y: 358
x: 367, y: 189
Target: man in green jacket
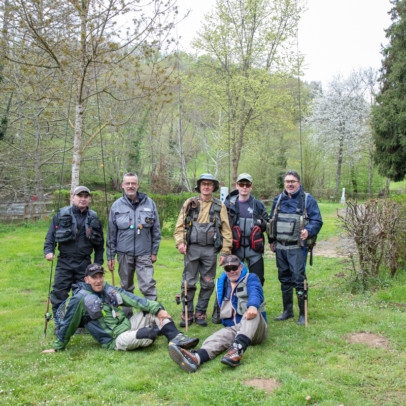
x: 97, y: 304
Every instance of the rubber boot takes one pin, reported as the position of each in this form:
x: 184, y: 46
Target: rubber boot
x: 287, y: 298
x: 301, y: 304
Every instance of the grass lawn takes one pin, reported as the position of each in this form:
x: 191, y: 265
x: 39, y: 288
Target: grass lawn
x: 322, y: 361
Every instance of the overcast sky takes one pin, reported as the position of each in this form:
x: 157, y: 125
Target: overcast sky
x: 335, y: 36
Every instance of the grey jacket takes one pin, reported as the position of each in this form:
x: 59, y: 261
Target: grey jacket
x: 133, y: 229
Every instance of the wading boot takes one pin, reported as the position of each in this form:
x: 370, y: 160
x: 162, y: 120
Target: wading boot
x: 301, y: 304
x: 287, y: 298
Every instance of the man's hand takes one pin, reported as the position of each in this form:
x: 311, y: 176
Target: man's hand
x: 48, y: 351
x: 110, y: 264
x: 251, y: 313
x: 162, y: 315
x: 182, y: 249
x: 153, y: 258
x: 221, y: 259
x: 304, y: 234
x: 50, y: 256
x: 272, y: 246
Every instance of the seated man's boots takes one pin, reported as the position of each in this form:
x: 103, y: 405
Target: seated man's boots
x: 236, y: 351
x: 287, y: 298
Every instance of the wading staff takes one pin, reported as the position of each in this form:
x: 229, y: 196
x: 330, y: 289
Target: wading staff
x: 305, y: 283
x: 186, y: 310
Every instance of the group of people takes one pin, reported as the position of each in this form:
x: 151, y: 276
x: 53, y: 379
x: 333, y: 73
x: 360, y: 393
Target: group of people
x: 205, y: 228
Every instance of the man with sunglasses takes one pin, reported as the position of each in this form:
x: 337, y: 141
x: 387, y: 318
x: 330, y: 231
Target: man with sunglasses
x: 242, y: 312
x: 97, y: 305
x: 248, y: 219
x: 295, y: 218
x: 201, y: 232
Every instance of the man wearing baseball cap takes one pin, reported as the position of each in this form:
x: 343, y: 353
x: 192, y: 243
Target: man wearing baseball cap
x: 97, y: 305
x: 242, y: 312
x: 248, y: 219
x: 78, y: 232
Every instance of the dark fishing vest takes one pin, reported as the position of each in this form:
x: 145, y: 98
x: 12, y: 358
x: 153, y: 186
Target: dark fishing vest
x: 66, y: 226
x: 245, y: 224
x: 94, y: 304
x: 205, y: 233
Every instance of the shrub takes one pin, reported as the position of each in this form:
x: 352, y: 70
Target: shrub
x: 378, y: 229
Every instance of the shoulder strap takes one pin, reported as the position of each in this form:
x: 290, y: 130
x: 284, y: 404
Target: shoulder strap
x: 277, y: 203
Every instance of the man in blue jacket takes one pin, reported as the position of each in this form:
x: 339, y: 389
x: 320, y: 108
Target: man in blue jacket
x: 295, y: 220
x: 134, y: 235
x: 242, y: 312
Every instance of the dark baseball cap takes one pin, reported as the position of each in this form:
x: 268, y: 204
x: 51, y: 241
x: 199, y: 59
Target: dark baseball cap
x: 231, y: 260
x: 81, y: 189
x: 93, y: 269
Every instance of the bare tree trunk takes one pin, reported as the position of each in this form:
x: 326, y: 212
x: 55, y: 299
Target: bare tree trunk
x: 39, y: 189
x: 371, y: 146
x: 76, y: 155
x: 339, y: 164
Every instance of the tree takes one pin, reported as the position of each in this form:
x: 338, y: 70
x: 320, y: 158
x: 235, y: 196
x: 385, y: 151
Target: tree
x: 389, y: 114
x: 80, y: 39
x: 339, y: 121
x: 249, y: 45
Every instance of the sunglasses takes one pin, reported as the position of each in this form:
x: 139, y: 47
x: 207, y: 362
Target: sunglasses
x: 244, y: 184
x: 231, y: 268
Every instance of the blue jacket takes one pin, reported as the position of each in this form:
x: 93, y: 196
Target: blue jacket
x: 289, y: 205
x: 254, y: 290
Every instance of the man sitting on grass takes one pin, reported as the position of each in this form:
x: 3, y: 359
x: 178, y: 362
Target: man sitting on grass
x: 242, y: 312
x: 97, y: 304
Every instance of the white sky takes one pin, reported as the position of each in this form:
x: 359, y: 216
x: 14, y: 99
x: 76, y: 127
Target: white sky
x: 335, y: 36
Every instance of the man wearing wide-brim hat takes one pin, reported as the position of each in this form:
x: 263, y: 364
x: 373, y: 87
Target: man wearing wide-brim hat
x: 202, y: 231
x: 78, y: 232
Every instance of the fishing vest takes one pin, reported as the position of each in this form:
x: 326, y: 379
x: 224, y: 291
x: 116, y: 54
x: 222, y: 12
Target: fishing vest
x: 242, y: 295
x: 66, y: 226
x: 94, y: 305
x: 205, y: 233
x: 286, y: 227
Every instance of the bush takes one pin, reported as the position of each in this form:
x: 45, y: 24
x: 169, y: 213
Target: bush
x: 378, y: 229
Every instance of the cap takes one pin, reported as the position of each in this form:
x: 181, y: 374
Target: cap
x: 244, y: 176
x: 231, y: 260
x: 93, y: 269
x: 81, y: 189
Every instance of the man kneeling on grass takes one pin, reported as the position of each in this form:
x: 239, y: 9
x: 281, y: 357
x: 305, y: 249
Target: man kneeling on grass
x: 97, y: 304
x: 242, y: 312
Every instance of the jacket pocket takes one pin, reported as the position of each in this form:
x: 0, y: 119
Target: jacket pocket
x: 123, y: 220
x: 147, y: 218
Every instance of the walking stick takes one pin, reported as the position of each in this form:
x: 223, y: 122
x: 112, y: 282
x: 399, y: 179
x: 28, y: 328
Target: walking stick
x: 186, y: 310
x: 305, y: 283
x: 112, y: 277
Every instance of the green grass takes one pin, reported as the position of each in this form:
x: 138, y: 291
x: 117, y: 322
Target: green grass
x: 318, y: 361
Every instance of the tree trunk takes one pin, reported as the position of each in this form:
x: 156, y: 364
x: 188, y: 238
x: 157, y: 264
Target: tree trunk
x: 371, y: 147
x: 339, y: 163
x: 39, y: 189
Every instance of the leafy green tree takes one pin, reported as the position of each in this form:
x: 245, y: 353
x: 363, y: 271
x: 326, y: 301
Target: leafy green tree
x: 389, y: 114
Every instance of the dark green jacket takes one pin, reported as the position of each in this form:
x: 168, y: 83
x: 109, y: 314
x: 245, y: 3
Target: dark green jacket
x: 106, y: 328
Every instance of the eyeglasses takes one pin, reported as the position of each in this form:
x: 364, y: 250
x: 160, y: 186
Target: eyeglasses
x: 231, y: 268
x: 206, y: 183
x: 291, y: 181
x: 244, y: 184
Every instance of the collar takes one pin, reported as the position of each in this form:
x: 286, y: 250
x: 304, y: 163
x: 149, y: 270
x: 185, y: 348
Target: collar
x: 75, y: 210
x: 294, y: 195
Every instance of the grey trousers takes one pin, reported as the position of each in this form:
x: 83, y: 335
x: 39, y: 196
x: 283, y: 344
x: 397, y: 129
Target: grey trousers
x: 128, y: 340
x: 200, y: 265
x: 142, y: 265
x: 255, y: 329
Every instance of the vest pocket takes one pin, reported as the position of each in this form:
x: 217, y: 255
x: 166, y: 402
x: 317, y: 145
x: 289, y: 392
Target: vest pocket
x: 285, y: 226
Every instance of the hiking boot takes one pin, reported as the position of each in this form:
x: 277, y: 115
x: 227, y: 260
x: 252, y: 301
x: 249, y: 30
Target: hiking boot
x: 234, y: 355
x: 200, y: 319
x: 184, y: 342
x: 287, y: 314
x: 185, y: 359
x: 183, y: 321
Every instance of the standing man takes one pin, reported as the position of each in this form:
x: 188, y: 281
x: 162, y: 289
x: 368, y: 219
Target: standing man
x: 78, y: 232
x: 134, y: 235
x: 202, y: 230
x: 248, y: 219
x: 295, y: 220
x: 241, y: 300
